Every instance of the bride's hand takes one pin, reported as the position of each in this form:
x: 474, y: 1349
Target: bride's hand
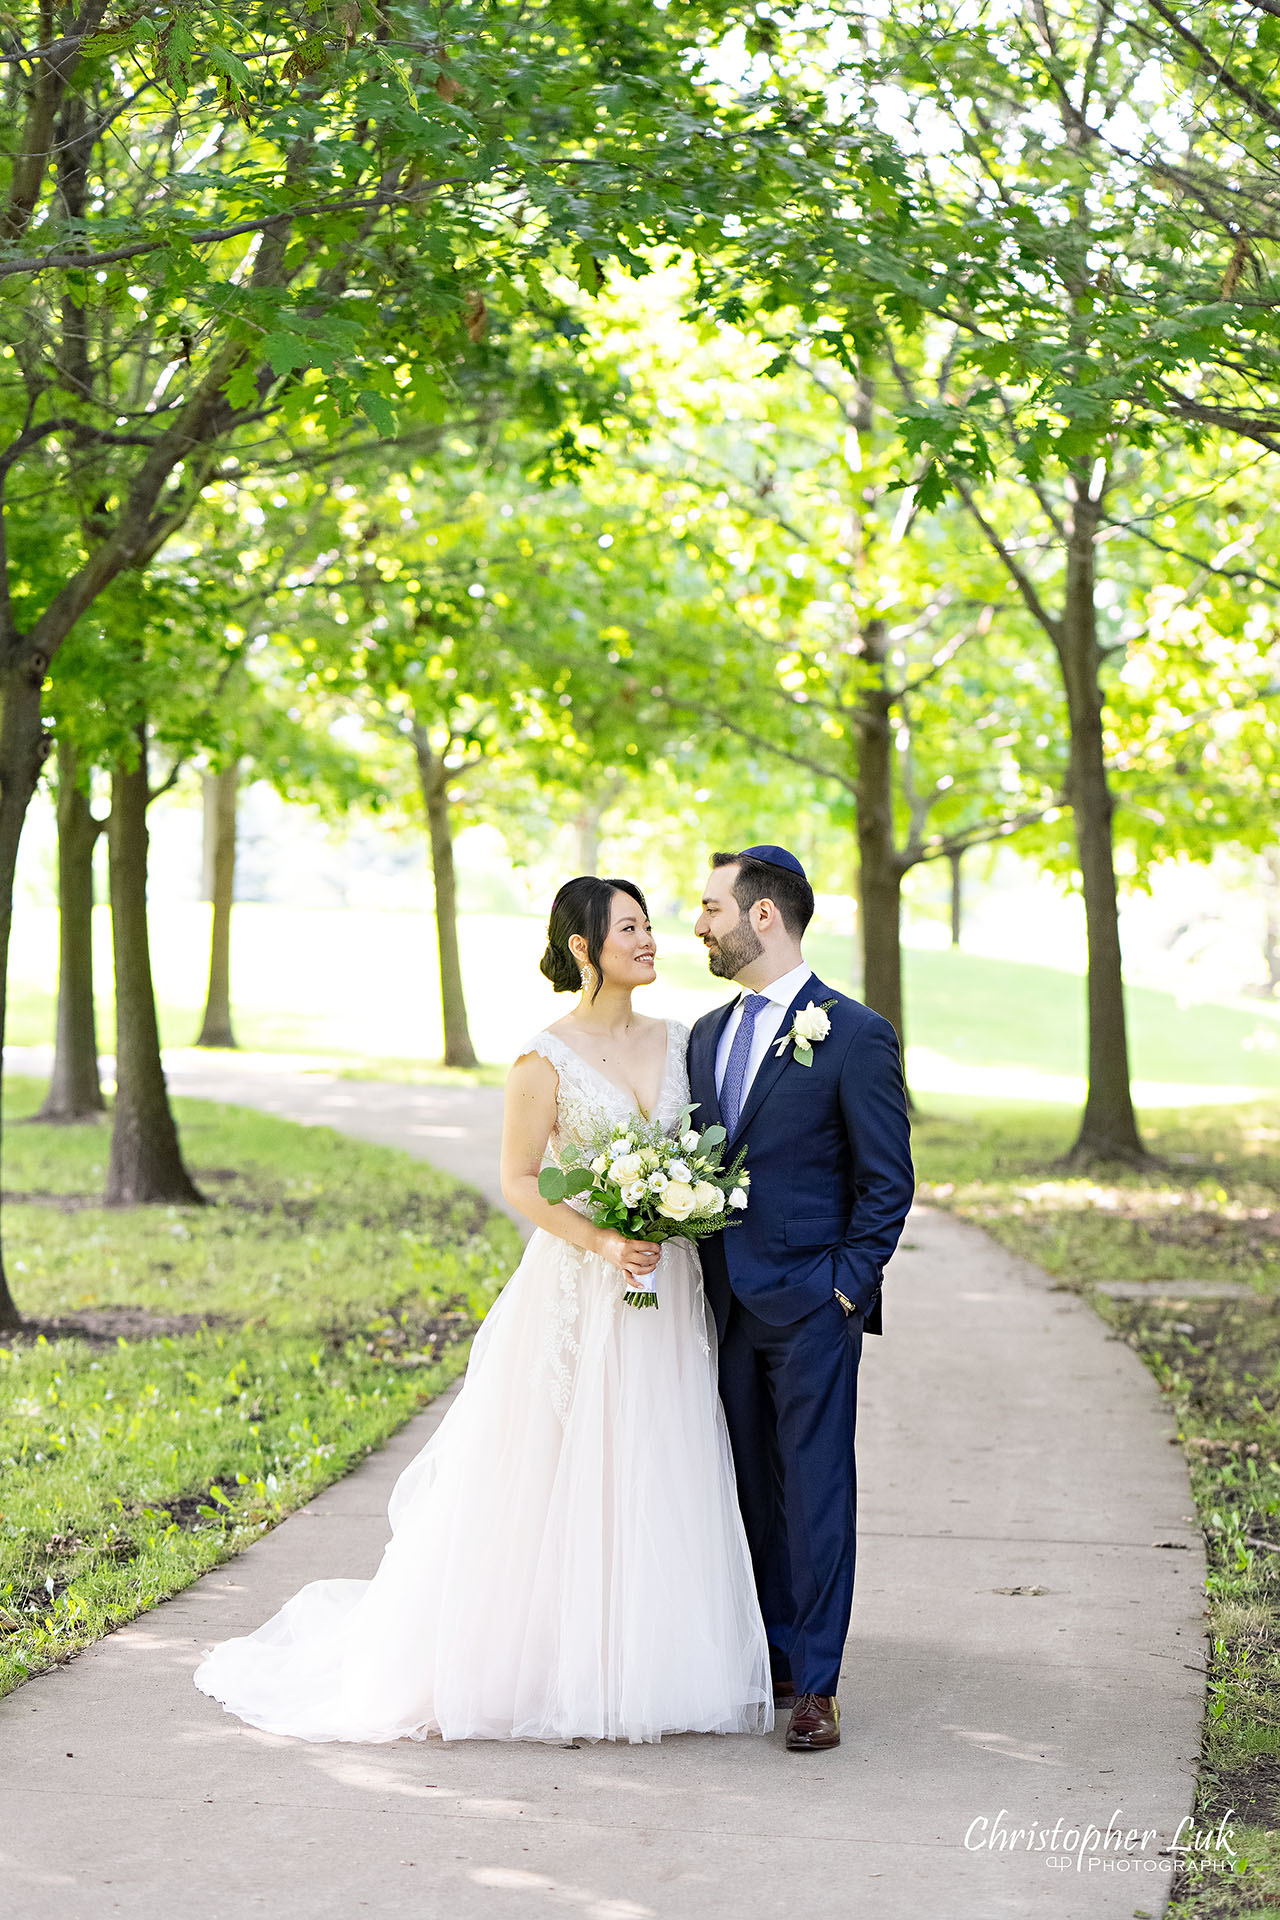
x: 636, y: 1257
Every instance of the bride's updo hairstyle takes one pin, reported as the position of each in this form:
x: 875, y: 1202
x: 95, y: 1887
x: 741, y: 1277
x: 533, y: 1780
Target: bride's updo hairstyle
x: 583, y: 906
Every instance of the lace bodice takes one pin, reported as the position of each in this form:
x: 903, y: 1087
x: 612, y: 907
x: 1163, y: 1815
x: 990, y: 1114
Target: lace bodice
x: 586, y: 1100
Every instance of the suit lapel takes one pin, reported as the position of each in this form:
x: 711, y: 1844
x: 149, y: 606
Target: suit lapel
x: 702, y: 1068
x: 774, y: 1065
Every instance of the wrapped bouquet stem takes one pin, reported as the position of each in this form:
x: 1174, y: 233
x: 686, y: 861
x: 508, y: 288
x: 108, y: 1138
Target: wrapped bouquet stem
x: 637, y: 1179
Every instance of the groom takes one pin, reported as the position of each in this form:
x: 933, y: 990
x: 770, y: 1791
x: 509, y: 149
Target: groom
x: 823, y: 1119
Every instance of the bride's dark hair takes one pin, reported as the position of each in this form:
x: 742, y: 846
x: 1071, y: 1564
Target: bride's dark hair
x: 584, y: 906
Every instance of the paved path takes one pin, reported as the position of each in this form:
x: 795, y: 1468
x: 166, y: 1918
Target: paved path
x: 1005, y: 1442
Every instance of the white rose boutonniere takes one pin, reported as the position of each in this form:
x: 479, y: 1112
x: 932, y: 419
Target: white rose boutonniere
x: 810, y: 1025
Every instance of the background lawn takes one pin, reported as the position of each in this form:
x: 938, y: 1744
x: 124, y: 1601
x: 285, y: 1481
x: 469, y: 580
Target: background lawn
x: 364, y: 984
x: 238, y: 1356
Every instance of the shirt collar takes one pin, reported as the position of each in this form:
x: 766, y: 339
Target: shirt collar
x: 784, y: 990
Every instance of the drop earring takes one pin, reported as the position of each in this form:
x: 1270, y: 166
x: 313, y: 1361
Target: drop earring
x: 586, y: 977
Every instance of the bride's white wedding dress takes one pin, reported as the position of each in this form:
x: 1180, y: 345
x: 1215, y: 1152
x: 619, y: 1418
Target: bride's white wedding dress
x: 567, y: 1557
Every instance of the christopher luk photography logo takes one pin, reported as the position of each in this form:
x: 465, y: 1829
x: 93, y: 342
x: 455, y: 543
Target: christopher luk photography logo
x: 1073, y: 1847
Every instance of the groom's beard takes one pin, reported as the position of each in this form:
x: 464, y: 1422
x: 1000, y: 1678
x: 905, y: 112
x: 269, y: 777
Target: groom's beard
x: 734, y: 951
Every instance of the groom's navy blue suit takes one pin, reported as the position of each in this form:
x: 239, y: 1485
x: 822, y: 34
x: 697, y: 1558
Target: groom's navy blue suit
x: 828, y: 1150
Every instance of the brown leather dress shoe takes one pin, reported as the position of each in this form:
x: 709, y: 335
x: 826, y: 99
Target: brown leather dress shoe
x: 815, y: 1724
x: 784, y: 1693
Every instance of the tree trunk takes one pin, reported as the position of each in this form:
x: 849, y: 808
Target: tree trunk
x: 434, y: 780
x: 146, y: 1160
x: 1271, y: 920
x: 75, y: 1089
x: 208, y: 834
x: 880, y: 869
x: 955, y: 859
x: 1109, y: 1127
x: 587, y: 826
x: 23, y: 745
x: 220, y: 810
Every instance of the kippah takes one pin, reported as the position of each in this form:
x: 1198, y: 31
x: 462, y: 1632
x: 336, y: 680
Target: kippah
x: 774, y: 857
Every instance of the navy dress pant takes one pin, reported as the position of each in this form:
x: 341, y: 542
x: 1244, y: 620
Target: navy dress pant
x: 790, y: 1398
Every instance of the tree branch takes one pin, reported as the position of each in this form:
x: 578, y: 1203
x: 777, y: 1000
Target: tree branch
x: 57, y: 64
x: 1020, y: 578
x: 760, y: 740
x: 978, y: 836
x: 1194, y: 559
x: 1231, y: 418
x: 208, y: 236
x: 1249, y: 96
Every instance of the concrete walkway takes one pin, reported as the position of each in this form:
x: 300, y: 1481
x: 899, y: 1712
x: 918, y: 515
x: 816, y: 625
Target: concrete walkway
x: 1005, y: 1442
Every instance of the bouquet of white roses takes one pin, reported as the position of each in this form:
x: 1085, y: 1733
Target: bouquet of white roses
x: 647, y: 1184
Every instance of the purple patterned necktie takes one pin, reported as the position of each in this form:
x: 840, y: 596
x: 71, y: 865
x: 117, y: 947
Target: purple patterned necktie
x: 735, y: 1070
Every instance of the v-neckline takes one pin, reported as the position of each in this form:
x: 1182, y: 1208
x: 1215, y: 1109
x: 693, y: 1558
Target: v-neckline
x: 648, y: 1118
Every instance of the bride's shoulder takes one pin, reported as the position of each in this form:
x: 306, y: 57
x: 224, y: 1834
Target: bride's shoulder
x: 543, y: 1045
x: 677, y: 1032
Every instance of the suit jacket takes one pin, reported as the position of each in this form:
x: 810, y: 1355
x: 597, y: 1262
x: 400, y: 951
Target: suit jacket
x: 829, y: 1154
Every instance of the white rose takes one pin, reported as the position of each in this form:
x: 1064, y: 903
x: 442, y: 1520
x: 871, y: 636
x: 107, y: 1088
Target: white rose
x: 626, y: 1167
x: 633, y: 1192
x: 738, y: 1197
x: 599, y: 1164
x: 677, y: 1202
x: 621, y: 1146
x: 658, y: 1183
x: 812, y: 1024
x: 689, y: 1142
x: 707, y: 1198
x: 677, y: 1170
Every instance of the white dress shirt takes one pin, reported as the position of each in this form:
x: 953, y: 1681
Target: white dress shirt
x: 779, y: 993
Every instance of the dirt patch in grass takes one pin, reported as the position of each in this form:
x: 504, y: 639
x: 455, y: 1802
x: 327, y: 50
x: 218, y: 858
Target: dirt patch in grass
x: 408, y: 1336
x: 1225, y: 1355
x: 61, y: 1202
x: 107, y: 1326
x: 1251, y: 1793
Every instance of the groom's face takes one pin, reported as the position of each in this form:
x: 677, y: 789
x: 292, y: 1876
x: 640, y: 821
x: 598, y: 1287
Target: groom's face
x: 732, y: 943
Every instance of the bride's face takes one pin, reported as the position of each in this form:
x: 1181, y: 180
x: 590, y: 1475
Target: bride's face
x: 628, y: 954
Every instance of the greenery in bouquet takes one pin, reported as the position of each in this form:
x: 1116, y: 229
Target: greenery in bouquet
x: 648, y: 1184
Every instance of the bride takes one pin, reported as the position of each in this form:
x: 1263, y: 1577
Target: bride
x: 567, y: 1558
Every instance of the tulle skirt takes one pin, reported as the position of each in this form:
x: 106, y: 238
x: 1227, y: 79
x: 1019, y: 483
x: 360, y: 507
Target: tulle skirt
x: 567, y: 1558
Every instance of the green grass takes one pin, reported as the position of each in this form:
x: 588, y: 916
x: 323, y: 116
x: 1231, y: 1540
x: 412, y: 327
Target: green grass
x: 1210, y: 1214
x: 282, y: 1332
x: 363, y: 986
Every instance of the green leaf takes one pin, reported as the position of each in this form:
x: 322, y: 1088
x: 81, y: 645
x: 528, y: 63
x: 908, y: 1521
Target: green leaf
x: 242, y: 387
x: 380, y: 411
x: 552, y: 1185
x: 223, y: 61
x: 588, y: 274
x: 113, y: 38
x: 398, y: 71
x: 804, y: 1053
x: 713, y: 1137
x: 579, y: 1180
x: 285, y: 352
